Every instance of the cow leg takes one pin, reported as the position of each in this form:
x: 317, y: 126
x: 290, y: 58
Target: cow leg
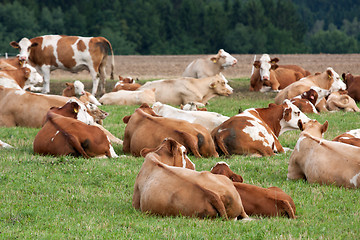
x: 95, y: 80
x: 102, y: 74
x: 45, y: 70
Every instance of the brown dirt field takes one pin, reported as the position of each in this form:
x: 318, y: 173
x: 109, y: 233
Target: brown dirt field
x: 172, y: 66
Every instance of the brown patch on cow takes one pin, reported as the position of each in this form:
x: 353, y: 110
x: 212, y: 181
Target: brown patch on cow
x: 287, y: 115
x: 81, y: 46
x: 65, y: 51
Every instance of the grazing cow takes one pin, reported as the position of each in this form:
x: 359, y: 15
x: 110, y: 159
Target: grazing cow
x: 353, y: 85
x: 256, y: 131
x: 321, y: 161
x: 172, y: 191
x: 125, y: 97
x: 267, y: 202
x: 62, y: 134
x: 127, y: 83
x: 185, y: 90
x: 338, y: 101
x: 71, y: 53
x: 350, y: 137
x: 209, y: 120
x: 23, y: 78
x: 209, y: 66
x: 145, y: 129
x: 5, y: 145
x: 77, y: 89
x: 328, y: 80
x: 171, y: 153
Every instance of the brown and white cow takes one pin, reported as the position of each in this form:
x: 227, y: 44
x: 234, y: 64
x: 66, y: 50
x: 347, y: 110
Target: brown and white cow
x: 171, y: 153
x: 255, y: 131
x: 268, y: 202
x: 321, y: 161
x: 172, y: 191
x: 62, y: 134
x: 337, y: 101
x: 126, y: 97
x: 353, y: 85
x: 350, y: 137
x: 25, y: 77
x: 146, y: 129
x: 184, y: 90
x: 191, y: 106
x: 77, y: 89
x: 306, y: 101
x: 71, y: 53
x: 209, y: 66
x: 328, y: 80
x: 127, y: 83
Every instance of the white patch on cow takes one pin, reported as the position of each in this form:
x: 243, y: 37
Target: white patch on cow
x: 321, y: 93
x: 19, y: 92
x: 24, y: 45
x: 79, y: 88
x: 51, y: 41
x: 354, y: 179
x: 219, y: 163
x: 185, y: 157
x: 83, y: 115
x: 338, y: 84
x: 229, y: 60
x: 226, y: 83
x: 265, y: 58
x: 9, y: 82
x: 52, y: 139
x: 354, y: 132
x: 297, y: 146
x: 35, y: 77
x: 83, y: 58
x: 296, y: 115
x: 112, y: 151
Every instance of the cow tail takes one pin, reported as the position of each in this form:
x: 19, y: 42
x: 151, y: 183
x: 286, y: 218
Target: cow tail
x: 74, y: 142
x: 112, y: 59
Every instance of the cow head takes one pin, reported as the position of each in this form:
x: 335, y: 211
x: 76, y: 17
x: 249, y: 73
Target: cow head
x: 24, y: 47
x: 224, y: 58
x: 310, y: 95
x: 220, y: 85
x: 264, y: 69
x: 70, y: 109
x: 291, y: 117
x: 321, y: 93
x: 224, y: 169
x: 32, y: 76
x: 98, y: 114
x: 171, y: 153
x: 337, y: 84
x: 313, y: 127
x: 79, y: 88
x: 83, y: 114
x: 126, y: 79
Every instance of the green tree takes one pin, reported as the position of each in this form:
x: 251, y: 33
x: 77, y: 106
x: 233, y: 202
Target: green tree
x: 333, y: 42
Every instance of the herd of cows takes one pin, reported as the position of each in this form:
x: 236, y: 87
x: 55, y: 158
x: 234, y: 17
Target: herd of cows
x: 71, y: 124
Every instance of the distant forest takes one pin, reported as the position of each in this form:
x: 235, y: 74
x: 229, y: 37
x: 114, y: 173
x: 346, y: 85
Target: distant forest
x: 191, y: 26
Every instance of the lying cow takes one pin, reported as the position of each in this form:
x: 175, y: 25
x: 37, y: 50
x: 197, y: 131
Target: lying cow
x: 306, y: 101
x: 145, y: 129
x: 255, y: 131
x: 126, y: 97
x: 172, y: 191
x: 62, y: 134
x: 71, y: 53
x: 350, y: 137
x: 209, y: 120
x: 184, y: 90
x: 171, y: 153
x: 127, y: 83
x: 341, y: 101
x: 328, y: 80
x: 77, y: 89
x: 267, y: 202
x: 209, y: 66
x: 353, y: 85
x: 23, y: 78
x: 321, y: 161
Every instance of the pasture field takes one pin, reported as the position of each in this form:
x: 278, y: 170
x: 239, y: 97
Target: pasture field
x: 43, y: 197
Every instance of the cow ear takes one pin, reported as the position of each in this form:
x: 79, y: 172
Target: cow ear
x: 126, y: 119
x: 274, y: 66
x: 67, y: 84
x: 274, y: 60
x: 343, y: 76
x: 257, y: 64
x: 34, y: 44
x: 121, y: 78
x: 324, y: 127
x: 272, y: 105
x: 145, y: 151
x: 214, y: 59
x: 330, y: 74
x: 27, y: 73
x: 301, y: 125
x: 212, y: 85
x: 14, y: 44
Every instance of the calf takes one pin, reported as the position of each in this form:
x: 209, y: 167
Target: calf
x: 353, y: 85
x: 62, y: 134
x: 338, y: 101
x: 127, y: 83
x: 171, y: 153
x: 256, y: 131
x: 209, y: 66
x: 224, y: 169
x: 125, y: 97
x: 76, y: 89
x: 209, y: 120
x: 172, y: 191
x: 184, y: 90
x: 325, y: 162
x: 22, y: 78
x: 145, y: 129
x: 306, y: 101
x: 351, y: 137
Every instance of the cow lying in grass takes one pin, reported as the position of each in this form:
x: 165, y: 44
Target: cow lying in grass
x: 350, y: 137
x: 77, y: 89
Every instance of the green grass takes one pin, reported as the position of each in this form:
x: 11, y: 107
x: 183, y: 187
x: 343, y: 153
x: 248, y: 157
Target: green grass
x: 77, y: 198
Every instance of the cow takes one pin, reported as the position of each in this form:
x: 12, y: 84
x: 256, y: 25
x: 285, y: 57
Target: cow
x: 62, y: 134
x: 72, y: 53
x: 256, y: 130
x: 192, y: 107
x: 321, y: 161
x: 353, y: 85
x: 184, y: 90
x: 209, y: 120
x: 127, y: 83
x: 337, y: 101
x: 145, y: 129
x: 209, y: 66
x: 5, y: 145
x: 350, y: 137
x: 171, y: 153
x: 127, y: 97
x: 267, y: 202
x: 306, y: 101
x: 25, y: 77
x: 172, y: 191
x: 328, y: 80
x: 77, y: 89
x: 11, y: 63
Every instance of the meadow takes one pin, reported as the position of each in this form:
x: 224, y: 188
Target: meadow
x: 44, y: 197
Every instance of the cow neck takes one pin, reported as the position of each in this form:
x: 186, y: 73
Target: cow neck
x: 271, y: 116
x: 202, y: 86
x: 323, y: 83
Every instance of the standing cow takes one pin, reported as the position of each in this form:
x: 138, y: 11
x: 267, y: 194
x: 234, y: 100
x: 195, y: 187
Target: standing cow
x: 71, y: 53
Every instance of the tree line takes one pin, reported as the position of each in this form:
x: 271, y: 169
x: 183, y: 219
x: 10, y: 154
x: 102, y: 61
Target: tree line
x: 191, y: 26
